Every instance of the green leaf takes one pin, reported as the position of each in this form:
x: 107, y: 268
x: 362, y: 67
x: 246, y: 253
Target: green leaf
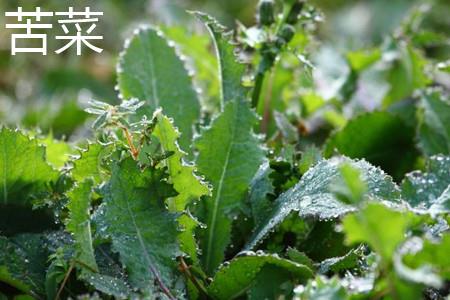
x: 406, y: 74
x: 23, y: 263
x: 198, y: 48
x: 79, y: 224
x: 260, y: 187
x: 109, y: 285
x: 338, y: 264
x: 111, y: 278
x: 89, y: 163
x: 322, y: 288
x: 189, y: 186
x: 23, y: 169
x: 434, y: 120
x: 370, y: 224
x: 313, y: 196
x: 349, y: 188
x: 361, y: 60
x: 234, y: 278
x: 432, y: 254
x: 231, y: 71
x: 381, y: 138
x: 142, y: 231
x: 151, y: 70
x: 57, y: 152
x: 430, y: 190
x: 229, y: 154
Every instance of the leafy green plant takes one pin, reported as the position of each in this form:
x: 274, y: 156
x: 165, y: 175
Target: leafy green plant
x: 262, y: 188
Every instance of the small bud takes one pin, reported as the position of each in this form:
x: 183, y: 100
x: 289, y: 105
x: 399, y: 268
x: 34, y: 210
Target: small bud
x: 286, y: 33
x: 295, y: 11
x: 266, y: 14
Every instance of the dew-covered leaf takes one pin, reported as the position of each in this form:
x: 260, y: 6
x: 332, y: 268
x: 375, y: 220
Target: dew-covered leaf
x: 229, y: 154
x: 234, y: 278
x: 142, y: 231
x: 187, y: 184
x: 429, y: 190
x: 23, y: 262
x: 313, y: 196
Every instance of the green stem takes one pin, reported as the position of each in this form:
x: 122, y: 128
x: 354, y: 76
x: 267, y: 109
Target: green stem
x: 259, y: 80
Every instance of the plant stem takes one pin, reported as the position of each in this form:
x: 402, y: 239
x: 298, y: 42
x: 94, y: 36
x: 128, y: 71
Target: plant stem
x: 259, y: 80
x: 185, y: 269
x: 66, y: 278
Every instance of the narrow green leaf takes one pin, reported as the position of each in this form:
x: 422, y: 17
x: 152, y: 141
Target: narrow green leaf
x: 151, y: 70
x: 230, y: 71
x: 229, y: 155
x: 434, y: 124
x: 23, y: 168
x: 313, y: 195
x: 260, y: 187
x: 234, y: 278
x: 79, y: 224
x: 188, y: 185
x: 142, y: 231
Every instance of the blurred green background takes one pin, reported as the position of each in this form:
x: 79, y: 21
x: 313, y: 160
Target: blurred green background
x: 46, y: 92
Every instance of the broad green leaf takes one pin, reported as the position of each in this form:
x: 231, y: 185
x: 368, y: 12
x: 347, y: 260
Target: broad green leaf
x: 370, y: 226
x: 111, y: 278
x: 430, y: 190
x: 229, y: 154
x: 434, y: 124
x: 23, y: 262
x: 313, y: 195
x: 109, y: 285
x: 234, y: 278
x: 230, y: 71
x: 151, y: 70
x: 89, y: 163
x: 79, y: 224
x: 272, y: 282
x: 189, y: 186
x: 381, y: 138
x: 142, y: 231
x: 23, y: 168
